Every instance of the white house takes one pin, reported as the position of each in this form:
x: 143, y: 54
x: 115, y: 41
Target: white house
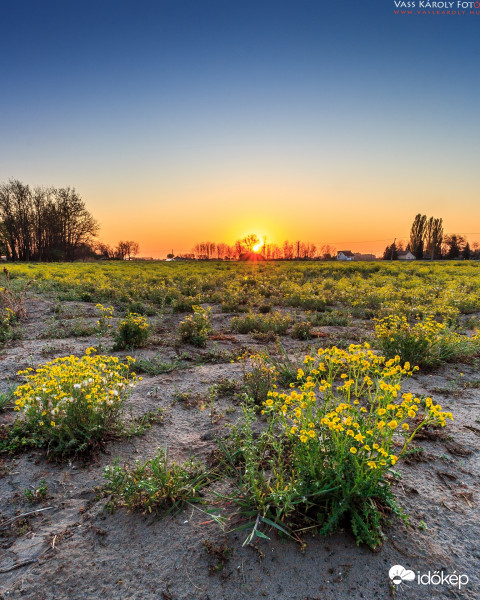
x: 405, y: 255
x: 345, y: 255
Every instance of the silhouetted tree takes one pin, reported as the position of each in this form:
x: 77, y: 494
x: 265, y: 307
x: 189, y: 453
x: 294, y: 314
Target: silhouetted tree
x: 44, y: 223
x: 417, y: 235
x: 434, y: 238
x: 390, y: 252
x: 453, y: 246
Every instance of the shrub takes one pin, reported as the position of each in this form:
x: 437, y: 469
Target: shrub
x: 194, y: 329
x: 153, y: 485
x: 132, y: 332
x: 427, y: 342
x: 322, y: 458
x: 265, y: 308
x: 302, y: 331
x: 71, y: 403
x: 276, y: 322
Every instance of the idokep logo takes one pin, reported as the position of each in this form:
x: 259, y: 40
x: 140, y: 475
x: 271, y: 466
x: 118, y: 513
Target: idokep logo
x: 398, y: 574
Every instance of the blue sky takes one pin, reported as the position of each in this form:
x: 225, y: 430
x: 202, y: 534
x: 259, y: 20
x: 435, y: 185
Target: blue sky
x: 179, y: 121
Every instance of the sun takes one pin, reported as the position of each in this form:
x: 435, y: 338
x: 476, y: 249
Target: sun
x: 257, y: 247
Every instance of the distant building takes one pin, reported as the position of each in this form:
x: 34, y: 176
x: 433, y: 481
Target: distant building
x: 405, y: 255
x: 359, y: 256
x: 345, y: 255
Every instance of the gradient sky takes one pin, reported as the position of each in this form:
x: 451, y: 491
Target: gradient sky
x: 181, y: 121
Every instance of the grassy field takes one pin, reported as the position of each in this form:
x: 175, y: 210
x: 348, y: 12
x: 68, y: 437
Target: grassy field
x: 249, y: 418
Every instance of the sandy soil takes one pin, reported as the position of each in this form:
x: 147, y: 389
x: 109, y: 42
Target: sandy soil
x: 74, y: 549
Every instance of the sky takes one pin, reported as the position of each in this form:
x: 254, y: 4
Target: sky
x: 182, y: 121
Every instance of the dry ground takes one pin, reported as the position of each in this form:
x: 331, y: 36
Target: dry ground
x: 75, y: 549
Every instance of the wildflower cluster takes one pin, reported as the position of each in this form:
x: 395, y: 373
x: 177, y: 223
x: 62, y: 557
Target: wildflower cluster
x: 195, y: 328
x: 104, y: 322
x: 71, y: 403
x: 351, y: 400
x: 331, y: 439
x: 427, y: 342
x: 133, y: 331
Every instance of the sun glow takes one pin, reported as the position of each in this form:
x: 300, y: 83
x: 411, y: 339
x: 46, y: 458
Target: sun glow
x: 257, y: 247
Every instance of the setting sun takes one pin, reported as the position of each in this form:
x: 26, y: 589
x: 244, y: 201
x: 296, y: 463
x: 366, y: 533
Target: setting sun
x: 257, y: 247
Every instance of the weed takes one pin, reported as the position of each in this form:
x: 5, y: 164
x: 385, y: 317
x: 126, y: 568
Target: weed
x: 276, y: 323
x: 154, y: 485
x: 194, y: 329
x: 38, y: 493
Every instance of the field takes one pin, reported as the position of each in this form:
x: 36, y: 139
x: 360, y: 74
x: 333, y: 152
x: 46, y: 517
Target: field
x: 276, y: 441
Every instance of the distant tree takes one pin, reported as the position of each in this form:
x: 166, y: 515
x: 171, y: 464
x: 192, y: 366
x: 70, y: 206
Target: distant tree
x: 453, y: 246
x: 249, y: 241
x: 287, y: 250
x: 44, y: 223
x: 104, y: 250
x: 434, y: 238
x: 327, y: 252
x: 467, y: 252
x: 390, y: 252
x: 417, y: 235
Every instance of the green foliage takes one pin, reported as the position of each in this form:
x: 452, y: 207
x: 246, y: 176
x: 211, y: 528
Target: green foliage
x: 38, y: 493
x: 426, y: 343
x: 133, y: 332
x: 194, y: 329
x: 259, y: 376
x: 276, y: 323
x: 154, y: 485
x: 302, y: 330
x: 8, y: 321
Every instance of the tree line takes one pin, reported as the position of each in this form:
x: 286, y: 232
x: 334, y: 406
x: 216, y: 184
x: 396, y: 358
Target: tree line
x: 245, y: 246
x: 51, y: 224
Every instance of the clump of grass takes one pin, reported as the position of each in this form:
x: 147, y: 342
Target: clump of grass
x: 194, y: 329
x: 7, y: 398
x: 38, y: 493
x: 321, y: 461
x: 156, y: 365
x: 426, y: 342
x: 78, y: 327
x: 154, y: 485
x: 275, y: 322
x: 331, y: 318
x: 226, y: 387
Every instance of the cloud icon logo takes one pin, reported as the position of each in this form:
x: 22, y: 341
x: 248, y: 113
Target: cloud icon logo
x: 398, y: 574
